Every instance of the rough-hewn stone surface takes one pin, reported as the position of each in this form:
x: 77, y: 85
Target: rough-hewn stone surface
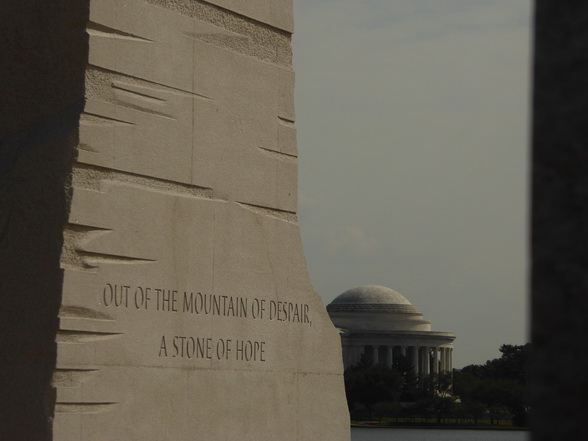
x: 153, y: 280
x: 560, y: 221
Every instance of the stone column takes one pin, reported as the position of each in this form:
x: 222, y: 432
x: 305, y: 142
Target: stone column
x: 443, y: 361
x: 375, y: 353
x: 390, y: 355
x: 426, y: 360
x: 436, y: 360
x: 415, y: 359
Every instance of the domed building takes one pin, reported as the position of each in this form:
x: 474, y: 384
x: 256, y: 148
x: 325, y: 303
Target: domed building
x: 383, y: 325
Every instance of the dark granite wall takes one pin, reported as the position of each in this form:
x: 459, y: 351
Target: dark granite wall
x: 559, y: 280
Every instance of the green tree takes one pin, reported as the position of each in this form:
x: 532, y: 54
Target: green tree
x: 437, y: 395
x: 410, y: 385
x: 368, y: 384
x: 437, y: 385
x: 500, y: 384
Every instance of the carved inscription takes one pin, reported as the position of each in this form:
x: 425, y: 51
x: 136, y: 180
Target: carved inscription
x: 209, y: 348
x: 168, y: 300
x: 145, y: 298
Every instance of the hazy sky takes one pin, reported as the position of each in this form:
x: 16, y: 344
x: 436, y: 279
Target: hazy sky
x: 412, y: 121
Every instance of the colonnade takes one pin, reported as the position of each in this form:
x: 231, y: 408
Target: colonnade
x: 425, y: 359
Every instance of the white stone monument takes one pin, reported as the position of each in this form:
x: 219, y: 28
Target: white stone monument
x: 382, y: 326
x: 179, y: 305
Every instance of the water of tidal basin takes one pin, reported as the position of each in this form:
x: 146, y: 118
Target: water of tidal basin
x: 359, y: 434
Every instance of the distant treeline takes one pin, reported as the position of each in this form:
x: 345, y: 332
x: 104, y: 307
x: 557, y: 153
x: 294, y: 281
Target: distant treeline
x: 492, y: 393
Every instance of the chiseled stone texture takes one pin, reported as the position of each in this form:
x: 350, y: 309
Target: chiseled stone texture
x: 152, y: 278
x: 186, y: 309
x: 559, y: 384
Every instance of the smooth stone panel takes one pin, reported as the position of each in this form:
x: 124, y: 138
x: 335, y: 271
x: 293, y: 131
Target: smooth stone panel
x: 139, y: 326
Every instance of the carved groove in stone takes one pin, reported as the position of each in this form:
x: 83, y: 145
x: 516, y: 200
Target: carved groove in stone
x: 85, y: 176
x: 96, y: 75
x: 79, y: 312
x: 71, y: 377
x: 97, y: 29
x: 74, y: 254
x: 68, y: 336
x: 94, y: 259
x: 139, y: 91
x: 73, y: 235
x: 81, y: 408
x: 277, y: 154
x: 91, y: 118
x: 286, y: 121
x: 86, y: 147
x: 86, y: 229
x: 287, y: 216
x: 140, y: 102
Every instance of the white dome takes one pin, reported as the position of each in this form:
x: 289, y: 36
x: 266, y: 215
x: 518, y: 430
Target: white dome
x: 371, y: 294
x: 371, y: 298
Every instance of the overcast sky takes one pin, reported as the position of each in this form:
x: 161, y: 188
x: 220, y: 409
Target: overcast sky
x: 412, y: 121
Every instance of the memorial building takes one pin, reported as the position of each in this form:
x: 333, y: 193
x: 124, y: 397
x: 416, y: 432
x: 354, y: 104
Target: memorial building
x: 382, y: 325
